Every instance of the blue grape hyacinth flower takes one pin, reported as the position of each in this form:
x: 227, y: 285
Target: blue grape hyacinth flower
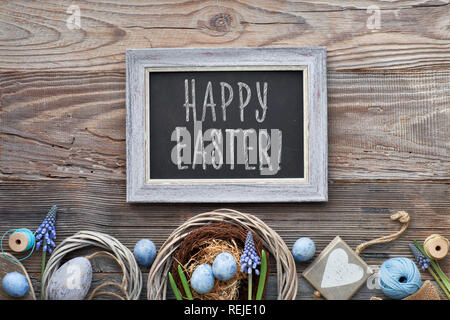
x: 422, y: 261
x: 250, y: 260
x: 46, y: 233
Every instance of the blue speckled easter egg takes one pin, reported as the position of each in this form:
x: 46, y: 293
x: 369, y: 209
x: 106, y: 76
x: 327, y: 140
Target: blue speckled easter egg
x: 224, y: 266
x: 15, y: 284
x: 145, y: 252
x: 71, y: 281
x: 202, y: 280
x: 303, y: 249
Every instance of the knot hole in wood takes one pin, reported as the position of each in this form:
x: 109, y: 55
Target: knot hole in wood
x: 220, y: 21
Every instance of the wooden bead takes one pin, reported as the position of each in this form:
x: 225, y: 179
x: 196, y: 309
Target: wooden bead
x: 18, y: 242
x: 436, y: 246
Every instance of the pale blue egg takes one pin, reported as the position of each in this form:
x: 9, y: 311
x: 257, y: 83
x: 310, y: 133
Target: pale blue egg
x: 145, y: 252
x: 303, y: 249
x: 71, y: 281
x: 202, y: 280
x: 15, y: 284
x: 224, y: 266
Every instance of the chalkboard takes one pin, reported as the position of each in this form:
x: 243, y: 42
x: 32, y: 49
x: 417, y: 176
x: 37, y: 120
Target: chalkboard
x: 226, y: 124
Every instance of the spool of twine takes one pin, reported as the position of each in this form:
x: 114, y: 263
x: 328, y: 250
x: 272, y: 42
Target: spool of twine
x: 21, y: 240
x: 436, y: 246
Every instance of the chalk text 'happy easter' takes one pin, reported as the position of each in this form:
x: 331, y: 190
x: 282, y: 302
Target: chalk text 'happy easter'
x: 255, y: 149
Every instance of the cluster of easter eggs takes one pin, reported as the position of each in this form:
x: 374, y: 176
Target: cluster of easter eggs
x: 223, y: 268
x: 70, y: 282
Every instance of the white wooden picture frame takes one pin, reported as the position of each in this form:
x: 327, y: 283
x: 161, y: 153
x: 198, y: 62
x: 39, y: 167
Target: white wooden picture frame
x: 314, y: 185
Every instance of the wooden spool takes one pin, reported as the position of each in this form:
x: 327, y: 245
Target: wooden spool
x: 436, y: 246
x: 18, y: 242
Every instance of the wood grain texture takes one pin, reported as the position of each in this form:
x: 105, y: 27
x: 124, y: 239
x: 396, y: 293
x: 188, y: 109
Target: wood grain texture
x: 357, y: 212
x: 104, y: 269
x: 305, y: 291
x: 412, y: 34
x: 62, y: 116
x: 57, y: 125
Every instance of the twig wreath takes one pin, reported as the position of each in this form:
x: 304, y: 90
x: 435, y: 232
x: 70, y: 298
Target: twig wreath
x: 287, y: 282
x: 131, y: 285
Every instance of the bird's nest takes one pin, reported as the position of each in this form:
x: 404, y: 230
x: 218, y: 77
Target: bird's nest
x: 176, y: 250
x: 202, y: 246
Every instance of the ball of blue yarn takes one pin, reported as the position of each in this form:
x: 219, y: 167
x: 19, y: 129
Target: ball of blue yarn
x: 399, y: 278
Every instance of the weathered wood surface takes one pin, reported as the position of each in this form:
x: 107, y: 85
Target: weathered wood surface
x: 305, y: 290
x: 72, y: 125
x: 358, y: 212
x: 412, y: 33
x: 62, y: 116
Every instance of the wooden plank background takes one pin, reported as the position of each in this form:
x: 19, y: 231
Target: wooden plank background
x: 62, y: 116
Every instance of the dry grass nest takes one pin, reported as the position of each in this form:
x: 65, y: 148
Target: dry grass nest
x: 202, y: 246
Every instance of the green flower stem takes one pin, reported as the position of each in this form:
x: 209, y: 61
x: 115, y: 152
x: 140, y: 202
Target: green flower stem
x: 185, y: 283
x: 250, y: 286
x: 262, y: 277
x: 44, y: 256
x: 439, y: 283
x: 175, y: 290
x: 442, y: 272
x: 436, y: 268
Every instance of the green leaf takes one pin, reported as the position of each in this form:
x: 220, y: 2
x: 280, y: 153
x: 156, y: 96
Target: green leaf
x: 185, y: 283
x: 435, y: 266
x: 439, y: 282
x: 175, y: 290
x: 262, y: 276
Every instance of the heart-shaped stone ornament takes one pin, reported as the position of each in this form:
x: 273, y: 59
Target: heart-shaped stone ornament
x: 339, y: 272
